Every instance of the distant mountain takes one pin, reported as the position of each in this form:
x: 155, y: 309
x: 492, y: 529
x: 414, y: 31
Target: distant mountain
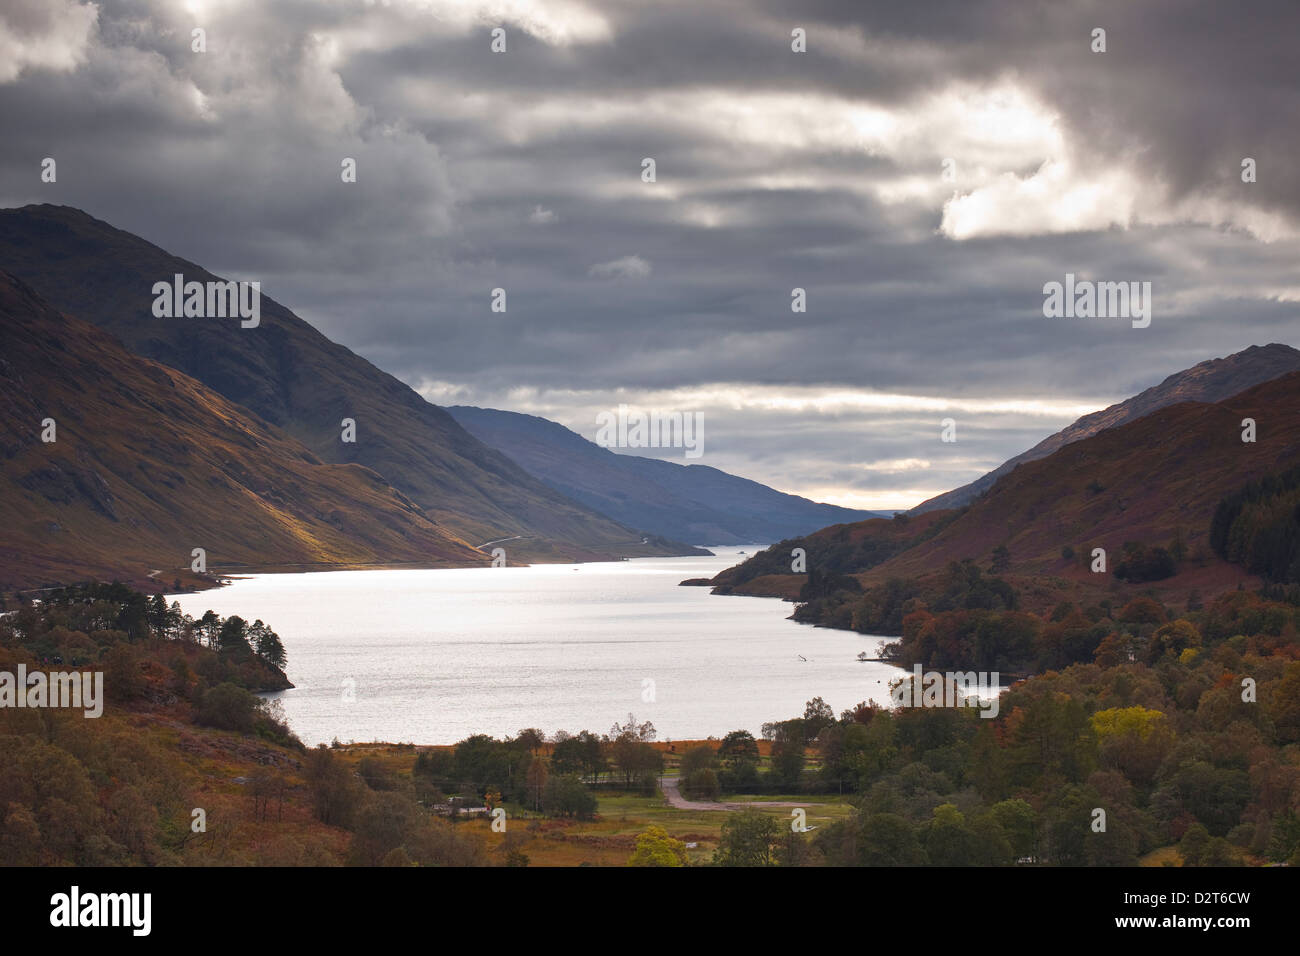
x: 1210, y: 381
x: 293, y: 377
x: 147, y: 464
x: 1155, y: 482
x: 685, y: 502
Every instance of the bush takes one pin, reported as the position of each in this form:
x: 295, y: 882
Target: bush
x: 565, y: 795
x: 696, y: 758
x: 702, y: 785
x: 1140, y: 564
x: 122, y: 678
x: 227, y: 707
x: 376, y: 775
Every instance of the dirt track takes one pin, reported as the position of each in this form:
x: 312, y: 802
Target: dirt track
x: 677, y: 801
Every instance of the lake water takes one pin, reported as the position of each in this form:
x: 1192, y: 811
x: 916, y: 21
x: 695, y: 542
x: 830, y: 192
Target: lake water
x: 430, y: 657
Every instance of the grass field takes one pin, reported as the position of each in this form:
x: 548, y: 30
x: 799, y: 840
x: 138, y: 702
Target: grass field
x: 610, y: 839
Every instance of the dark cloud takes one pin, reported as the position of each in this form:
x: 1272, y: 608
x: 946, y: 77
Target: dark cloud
x: 775, y: 170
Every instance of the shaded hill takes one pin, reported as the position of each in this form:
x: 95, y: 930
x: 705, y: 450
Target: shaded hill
x: 1150, y: 480
x: 1155, y: 482
x: 149, y: 463
x: 1209, y: 381
x: 838, y: 550
x: 686, y: 502
x: 296, y: 379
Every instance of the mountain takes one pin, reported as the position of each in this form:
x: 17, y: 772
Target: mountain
x: 296, y: 379
x: 1148, y: 480
x: 1154, y: 482
x: 1210, y: 381
x: 684, y: 502
x: 148, y: 463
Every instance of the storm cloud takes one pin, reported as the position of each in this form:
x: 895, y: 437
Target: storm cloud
x: 921, y: 171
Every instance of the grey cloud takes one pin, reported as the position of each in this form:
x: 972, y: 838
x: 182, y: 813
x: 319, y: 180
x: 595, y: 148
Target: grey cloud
x: 457, y: 149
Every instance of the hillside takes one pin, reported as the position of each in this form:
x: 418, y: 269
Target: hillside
x: 1156, y: 482
x: 1149, y: 480
x: 686, y: 502
x: 149, y: 463
x: 289, y: 374
x: 1209, y: 381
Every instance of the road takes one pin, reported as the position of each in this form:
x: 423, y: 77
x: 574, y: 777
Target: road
x: 499, y: 540
x: 677, y: 801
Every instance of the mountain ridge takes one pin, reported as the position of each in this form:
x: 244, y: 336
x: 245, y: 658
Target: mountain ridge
x: 147, y: 463
x: 691, y: 502
x: 1155, y: 481
x: 1209, y: 381
x: 289, y: 374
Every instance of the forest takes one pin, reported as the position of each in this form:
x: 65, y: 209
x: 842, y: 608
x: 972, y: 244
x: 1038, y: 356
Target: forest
x: 1147, y: 733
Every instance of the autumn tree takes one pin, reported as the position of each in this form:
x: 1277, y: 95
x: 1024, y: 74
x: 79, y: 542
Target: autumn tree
x: 535, y: 783
x: 654, y: 847
x: 747, y: 838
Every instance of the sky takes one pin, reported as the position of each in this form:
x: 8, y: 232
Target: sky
x: 921, y: 170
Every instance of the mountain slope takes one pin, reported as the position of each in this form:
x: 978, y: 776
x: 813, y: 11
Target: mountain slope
x: 1148, y: 480
x: 148, y: 463
x: 686, y: 502
x: 1209, y: 381
x: 293, y: 377
x: 1155, y: 481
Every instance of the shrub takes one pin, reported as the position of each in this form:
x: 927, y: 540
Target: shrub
x: 565, y: 795
x: 702, y: 784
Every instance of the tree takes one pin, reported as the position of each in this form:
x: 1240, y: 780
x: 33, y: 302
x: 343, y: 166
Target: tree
x: 747, y: 838
x: 1142, y: 610
x: 536, y: 782
x: 267, y: 644
x: 1001, y: 559
x: 702, y: 784
x: 481, y: 762
x: 1133, y: 740
x: 887, y: 839
x: 700, y: 757
x: 209, y: 626
x: 233, y: 638
x: 1216, y: 796
x: 817, y: 715
x: 1051, y: 738
x: 227, y: 707
x: 1172, y: 639
x: 336, y: 793
x: 384, y: 827
x: 594, y: 763
x: 122, y: 674
x: 948, y: 840
x: 787, y: 751
x: 634, y: 757
x: 1283, y: 703
x: 645, y: 731
x: 567, y: 756
x: 1140, y: 564
x: 565, y: 795
x: 1110, y: 652
x: 158, y: 614
x: 532, y: 738
x: 583, y: 755
x: 737, y: 745
x: 1020, y: 824
x: 654, y: 847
